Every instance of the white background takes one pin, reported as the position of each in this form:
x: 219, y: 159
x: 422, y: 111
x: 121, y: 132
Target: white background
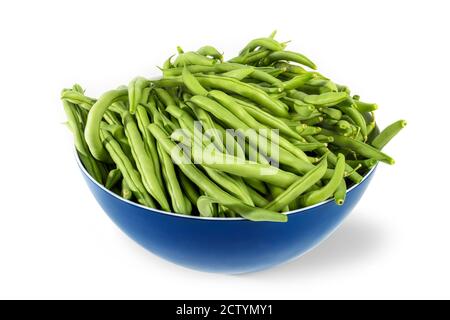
x: 55, y: 241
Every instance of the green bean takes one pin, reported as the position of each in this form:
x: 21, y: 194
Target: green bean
x: 152, y: 109
x: 244, y: 90
x: 190, y: 58
x: 306, y: 130
x: 207, y: 207
x: 258, y: 199
x: 327, y: 99
x: 361, y: 148
x: 367, y: 163
x: 299, y: 187
x: 267, y: 43
x: 76, y: 127
x: 364, y: 106
x: 188, y: 205
x: 251, y: 57
x: 277, y: 96
x: 310, y: 146
x: 328, y: 190
x: 313, y: 121
x: 210, y: 129
x: 192, y: 83
x: 168, y: 63
x: 174, y: 72
x: 210, y: 51
x: 114, y: 176
x: 255, y: 214
x: 370, y: 128
x: 118, y: 133
x: 297, y: 81
x: 314, y: 160
x: 348, y: 119
x: 115, y: 129
x: 195, y: 175
x: 256, y: 185
x: 189, y: 188
x: 233, y: 185
x: 221, y: 112
x: 169, y: 82
x: 357, y: 117
x: 286, y: 67
x: 265, y: 77
x: 298, y: 95
x: 223, y: 212
x: 149, y: 142
x: 343, y: 125
x: 304, y: 110
x: 253, y: 154
x: 118, y: 108
x: 130, y: 175
x: 268, y: 90
x: 324, y: 85
x: 169, y: 125
x: 323, y: 138
x: 135, y: 91
x: 303, y: 117
x: 254, y: 170
x: 179, y: 204
x: 238, y: 74
x: 340, y: 193
x: 256, y: 57
x: 92, y: 130
x: 275, y: 192
x: 357, y: 167
x: 165, y: 97
x: 92, y: 167
x: 342, y: 88
x: 78, y: 88
x: 183, y: 117
x: 126, y: 192
x: 334, y: 114
x: 290, y: 56
x: 144, y: 163
x: 145, y: 95
x: 388, y: 133
x: 344, y: 128
x: 78, y: 98
x: 273, y: 34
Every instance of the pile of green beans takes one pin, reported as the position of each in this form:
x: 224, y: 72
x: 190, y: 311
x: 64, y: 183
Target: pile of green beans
x: 128, y: 139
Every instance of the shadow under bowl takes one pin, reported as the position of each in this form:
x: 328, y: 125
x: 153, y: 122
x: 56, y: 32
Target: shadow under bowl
x: 225, y: 245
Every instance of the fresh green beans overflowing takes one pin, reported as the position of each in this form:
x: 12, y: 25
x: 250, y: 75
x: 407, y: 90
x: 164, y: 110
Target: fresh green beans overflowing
x: 144, y: 142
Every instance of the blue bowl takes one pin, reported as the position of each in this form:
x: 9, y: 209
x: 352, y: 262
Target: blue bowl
x: 225, y: 245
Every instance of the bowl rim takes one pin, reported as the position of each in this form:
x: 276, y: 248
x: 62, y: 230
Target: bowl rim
x: 152, y: 210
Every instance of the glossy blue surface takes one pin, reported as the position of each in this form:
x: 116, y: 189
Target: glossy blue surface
x: 225, y: 245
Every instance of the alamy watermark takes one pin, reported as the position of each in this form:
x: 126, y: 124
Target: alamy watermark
x: 227, y: 147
